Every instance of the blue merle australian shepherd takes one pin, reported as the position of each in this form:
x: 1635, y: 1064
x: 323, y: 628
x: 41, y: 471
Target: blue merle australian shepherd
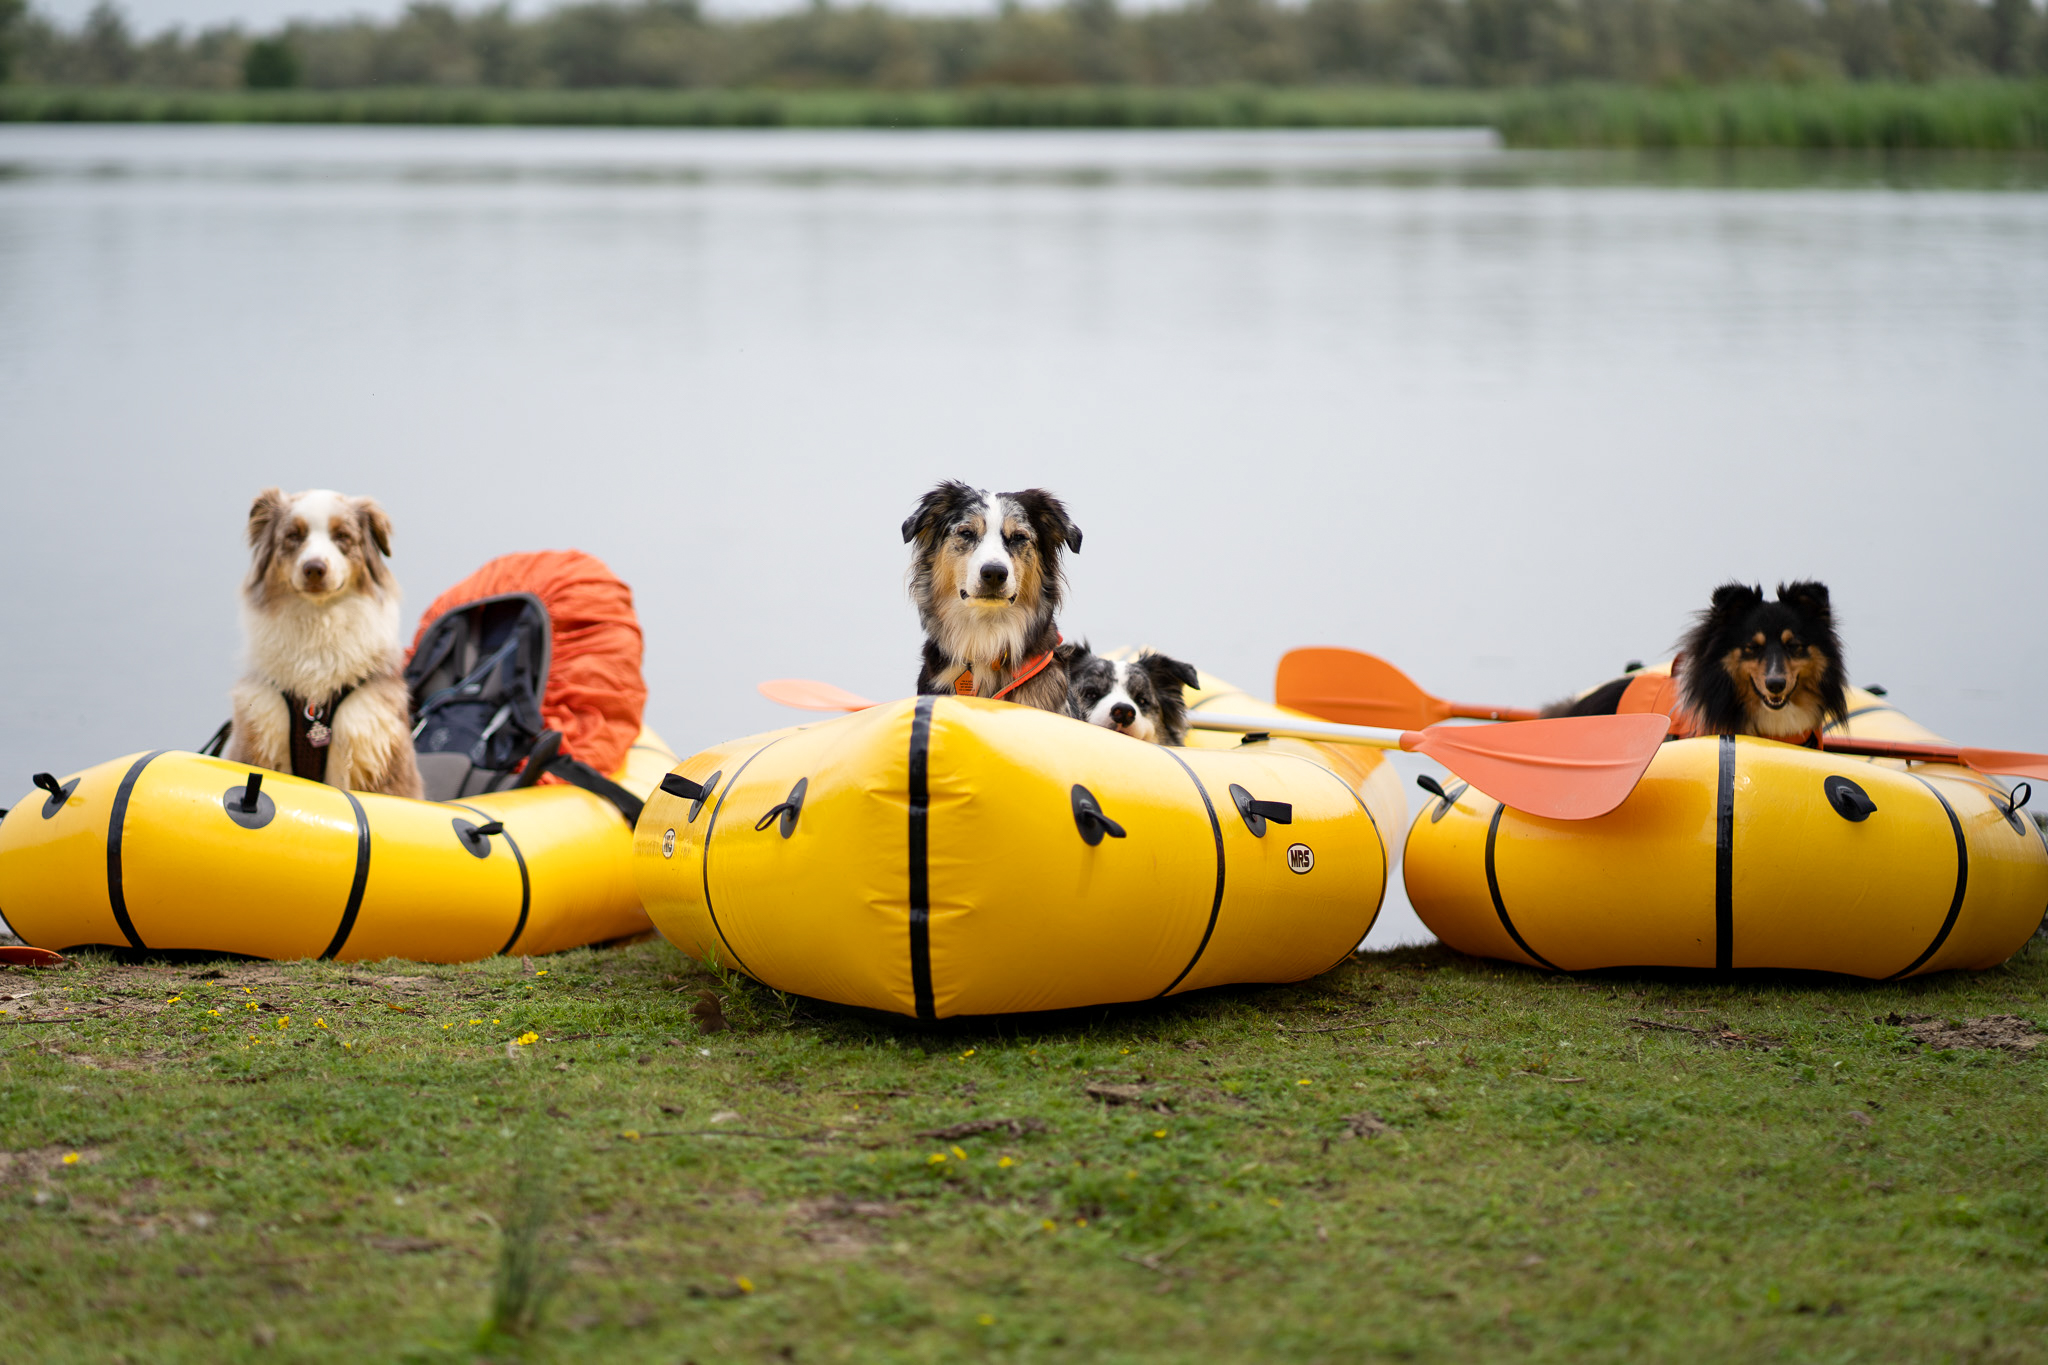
x: 985, y: 574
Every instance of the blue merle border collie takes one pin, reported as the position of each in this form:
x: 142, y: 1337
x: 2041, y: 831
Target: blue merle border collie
x: 1140, y: 697
x: 986, y: 577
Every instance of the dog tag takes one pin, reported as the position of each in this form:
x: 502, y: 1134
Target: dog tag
x: 317, y: 735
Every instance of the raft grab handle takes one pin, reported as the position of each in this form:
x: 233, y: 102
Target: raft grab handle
x: 675, y: 784
x: 477, y: 838
x: 247, y: 805
x: 1850, y: 801
x: 1256, y: 812
x: 60, y: 792
x: 1090, y: 820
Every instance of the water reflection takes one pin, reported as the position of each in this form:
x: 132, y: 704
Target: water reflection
x: 1504, y: 418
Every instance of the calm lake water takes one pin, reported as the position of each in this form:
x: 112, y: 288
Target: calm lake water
x: 1504, y: 418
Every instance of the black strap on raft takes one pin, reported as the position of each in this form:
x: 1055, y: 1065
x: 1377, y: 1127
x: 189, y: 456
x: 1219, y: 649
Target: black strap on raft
x: 577, y: 773
x: 213, y: 747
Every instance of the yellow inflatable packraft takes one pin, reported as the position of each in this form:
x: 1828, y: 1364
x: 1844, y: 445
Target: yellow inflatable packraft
x: 1741, y: 852
x: 157, y: 852
x: 943, y: 856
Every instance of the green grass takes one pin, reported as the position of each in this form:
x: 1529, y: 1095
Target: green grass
x: 1983, y: 115
x: 355, y: 1170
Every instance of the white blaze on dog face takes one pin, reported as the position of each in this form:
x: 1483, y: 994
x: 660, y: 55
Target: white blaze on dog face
x: 319, y: 539
x: 1116, y: 696
x: 317, y: 545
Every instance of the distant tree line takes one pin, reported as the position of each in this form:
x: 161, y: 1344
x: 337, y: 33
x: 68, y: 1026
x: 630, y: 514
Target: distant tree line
x: 671, y: 44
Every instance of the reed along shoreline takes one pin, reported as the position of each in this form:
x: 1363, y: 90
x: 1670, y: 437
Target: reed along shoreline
x: 1974, y: 115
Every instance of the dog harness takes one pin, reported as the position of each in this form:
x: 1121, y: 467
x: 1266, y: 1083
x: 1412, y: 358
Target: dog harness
x: 963, y: 686
x: 311, y: 733
x: 1657, y: 693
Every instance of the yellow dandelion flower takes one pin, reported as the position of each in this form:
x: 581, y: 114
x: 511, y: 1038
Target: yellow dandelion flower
x: 527, y: 1037
x: 346, y: 1043
x: 174, y: 1000
x: 251, y: 1005
x: 960, y: 1154
x: 987, y: 1319
x: 283, y: 1020
x: 1080, y: 1222
x: 447, y: 1026
x: 1007, y: 1162
x: 935, y: 1159
x: 494, y: 1021
x: 319, y: 1023
x: 248, y: 991
x: 214, y: 1013
x: 1304, y: 1082
x: 542, y: 972
x: 71, y: 1158
x: 476, y: 1021
x: 1159, y: 1132
x: 1049, y: 1225
x: 965, y: 1055
x: 630, y: 1134
x: 746, y: 1285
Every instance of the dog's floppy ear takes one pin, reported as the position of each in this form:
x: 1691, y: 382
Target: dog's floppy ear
x: 934, y: 507
x: 376, y: 522
x: 1049, y: 518
x: 265, y: 514
x: 271, y: 507
x: 1808, y: 597
x: 1165, y: 670
x: 1733, y: 597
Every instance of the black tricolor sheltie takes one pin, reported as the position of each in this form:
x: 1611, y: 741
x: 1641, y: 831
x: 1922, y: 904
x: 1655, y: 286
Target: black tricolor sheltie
x: 1751, y: 667
x: 985, y: 574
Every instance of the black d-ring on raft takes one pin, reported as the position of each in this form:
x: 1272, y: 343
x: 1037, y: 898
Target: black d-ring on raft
x: 787, y: 810
x: 1090, y: 819
x: 1850, y: 801
x: 1256, y: 812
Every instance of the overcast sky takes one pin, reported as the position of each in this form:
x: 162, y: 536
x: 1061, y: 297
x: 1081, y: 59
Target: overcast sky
x: 151, y: 16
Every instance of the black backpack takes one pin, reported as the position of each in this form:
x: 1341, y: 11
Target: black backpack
x: 476, y: 683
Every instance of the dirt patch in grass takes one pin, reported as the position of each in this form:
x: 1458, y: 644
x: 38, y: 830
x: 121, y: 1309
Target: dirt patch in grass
x: 2005, y: 1032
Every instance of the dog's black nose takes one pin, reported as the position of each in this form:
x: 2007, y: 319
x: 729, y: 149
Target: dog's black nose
x: 993, y: 574
x: 1123, y: 713
x: 315, y: 570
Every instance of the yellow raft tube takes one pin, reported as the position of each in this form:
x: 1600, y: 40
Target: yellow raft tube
x: 943, y: 856
x: 1740, y: 852
x: 156, y: 852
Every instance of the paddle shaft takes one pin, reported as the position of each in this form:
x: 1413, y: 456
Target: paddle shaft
x: 1286, y: 727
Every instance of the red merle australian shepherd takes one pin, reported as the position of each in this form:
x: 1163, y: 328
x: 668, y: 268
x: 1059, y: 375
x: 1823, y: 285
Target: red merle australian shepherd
x: 985, y: 574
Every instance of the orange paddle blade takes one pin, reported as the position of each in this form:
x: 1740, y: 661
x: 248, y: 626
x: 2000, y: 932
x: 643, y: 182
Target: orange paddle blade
x: 1567, y: 768
x: 807, y: 694
x: 1357, y: 689
x: 1570, y: 768
x: 23, y: 956
x: 2006, y: 762
x: 1363, y: 689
